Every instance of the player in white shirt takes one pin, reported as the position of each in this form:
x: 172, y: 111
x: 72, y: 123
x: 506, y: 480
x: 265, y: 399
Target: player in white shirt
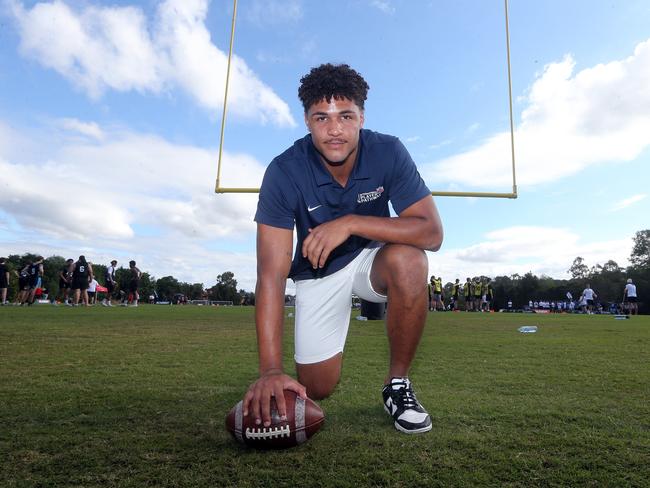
x: 92, y: 290
x: 629, y: 298
x: 589, y: 296
x: 110, y: 283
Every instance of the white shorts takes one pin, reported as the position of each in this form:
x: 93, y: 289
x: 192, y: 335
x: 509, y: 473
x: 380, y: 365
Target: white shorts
x: 323, y: 307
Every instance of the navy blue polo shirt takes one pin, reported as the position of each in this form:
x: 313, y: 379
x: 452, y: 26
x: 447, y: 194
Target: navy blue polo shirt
x: 298, y: 190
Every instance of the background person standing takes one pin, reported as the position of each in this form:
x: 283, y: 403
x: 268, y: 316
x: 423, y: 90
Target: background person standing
x: 110, y: 283
x: 134, y: 283
x: 65, y: 281
x: 588, y: 295
x: 437, y: 294
x: 455, y: 293
x: 81, y: 277
x: 4, y: 280
x: 35, y: 273
x: 92, y: 289
x: 467, y: 293
x: 630, y: 298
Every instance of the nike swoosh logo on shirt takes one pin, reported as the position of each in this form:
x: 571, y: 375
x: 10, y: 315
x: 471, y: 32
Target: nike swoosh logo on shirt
x: 311, y: 209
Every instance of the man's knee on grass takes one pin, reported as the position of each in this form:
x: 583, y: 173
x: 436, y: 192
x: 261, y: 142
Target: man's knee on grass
x: 401, y: 269
x: 320, y: 391
x: 320, y: 379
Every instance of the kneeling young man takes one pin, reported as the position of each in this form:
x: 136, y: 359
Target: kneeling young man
x: 334, y: 186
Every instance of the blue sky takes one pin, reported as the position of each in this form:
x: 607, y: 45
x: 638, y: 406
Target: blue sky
x: 110, y: 114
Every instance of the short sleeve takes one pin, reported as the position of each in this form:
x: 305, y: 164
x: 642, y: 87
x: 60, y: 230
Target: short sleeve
x: 272, y: 207
x: 407, y: 186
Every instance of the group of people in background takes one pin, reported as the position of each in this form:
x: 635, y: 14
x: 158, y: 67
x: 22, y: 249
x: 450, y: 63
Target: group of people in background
x: 588, y: 304
x: 477, y: 294
x: 29, y: 280
x: 78, y: 285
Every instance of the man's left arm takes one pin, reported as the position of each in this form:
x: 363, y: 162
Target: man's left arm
x: 418, y: 225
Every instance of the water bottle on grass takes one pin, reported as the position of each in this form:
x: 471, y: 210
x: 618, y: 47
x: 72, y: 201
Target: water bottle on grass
x: 527, y: 329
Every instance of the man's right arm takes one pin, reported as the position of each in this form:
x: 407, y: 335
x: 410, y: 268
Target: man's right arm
x: 274, y: 249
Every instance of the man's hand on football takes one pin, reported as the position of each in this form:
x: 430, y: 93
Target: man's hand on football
x: 257, y: 401
x: 322, y: 240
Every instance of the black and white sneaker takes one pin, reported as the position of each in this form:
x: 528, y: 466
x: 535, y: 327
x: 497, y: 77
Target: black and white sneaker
x: 401, y: 404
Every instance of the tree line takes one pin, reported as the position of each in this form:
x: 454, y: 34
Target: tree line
x: 163, y: 289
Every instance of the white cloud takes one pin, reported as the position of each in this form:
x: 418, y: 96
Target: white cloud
x: 118, y: 48
x: 96, y: 49
x: 383, y: 5
x: 570, y: 122
x: 127, y: 196
x: 89, y: 129
x: 89, y: 189
x: 274, y: 12
x: 412, y: 139
x: 626, y: 202
x: 50, y: 198
x: 541, y: 250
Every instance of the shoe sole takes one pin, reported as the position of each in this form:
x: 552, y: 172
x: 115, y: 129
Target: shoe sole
x: 421, y: 430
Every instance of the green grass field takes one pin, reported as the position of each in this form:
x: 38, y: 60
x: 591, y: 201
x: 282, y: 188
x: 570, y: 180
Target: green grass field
x: 137, y: 397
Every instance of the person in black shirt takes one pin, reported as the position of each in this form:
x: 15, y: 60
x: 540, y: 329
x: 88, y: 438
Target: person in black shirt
x: 455, y: 294
x: 35, y: 274
x: 4, y: 280
x: 489, y: 295
x: 109, y: 283
x: 134, y: 283
x: 467, y: 293
x: 23, y: 284
x: 82, y: 274
x: 65, y: 280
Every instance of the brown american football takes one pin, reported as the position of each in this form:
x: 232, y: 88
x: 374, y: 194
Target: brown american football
x: 304, y: 419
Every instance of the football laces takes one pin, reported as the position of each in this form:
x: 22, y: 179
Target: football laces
x: 268, y: 432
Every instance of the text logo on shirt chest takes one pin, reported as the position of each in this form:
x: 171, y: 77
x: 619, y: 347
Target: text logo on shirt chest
x: 370, y: 196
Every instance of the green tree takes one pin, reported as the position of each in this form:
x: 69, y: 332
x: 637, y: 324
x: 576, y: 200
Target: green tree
x: 52, y: 266
x: 607, y: 281
x: 578, y: 269
x: 147, y: 286
x: 640, y: 256
x: 167, y: 287
x: 99, y: 270
x: 226, y: 288
x: 503, y: 290
x: 193, y: 291
x: 527, y: 289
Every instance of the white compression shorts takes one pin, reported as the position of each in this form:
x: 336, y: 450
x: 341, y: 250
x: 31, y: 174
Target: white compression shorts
x: 323, y: 307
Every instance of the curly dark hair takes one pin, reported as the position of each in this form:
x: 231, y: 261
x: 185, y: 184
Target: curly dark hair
x: 332, y: 80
